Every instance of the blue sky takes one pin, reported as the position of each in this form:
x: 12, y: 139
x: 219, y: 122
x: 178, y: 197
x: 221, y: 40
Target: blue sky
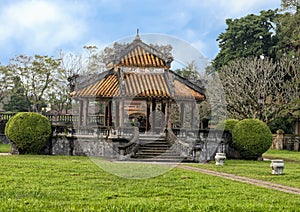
x: 44, y: 27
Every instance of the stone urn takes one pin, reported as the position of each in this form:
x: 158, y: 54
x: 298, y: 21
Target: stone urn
x: 220, y: 158
x: 277, y: 166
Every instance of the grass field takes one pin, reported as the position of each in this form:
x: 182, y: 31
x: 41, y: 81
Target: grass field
x: 5, y: 148
x: 261, y: 169
x: 61, y: 183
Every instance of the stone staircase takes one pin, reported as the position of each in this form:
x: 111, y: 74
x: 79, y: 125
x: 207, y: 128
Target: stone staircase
x: 155, y: 149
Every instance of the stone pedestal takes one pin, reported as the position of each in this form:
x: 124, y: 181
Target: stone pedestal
x: 220, y: 158
x: 277, y: 166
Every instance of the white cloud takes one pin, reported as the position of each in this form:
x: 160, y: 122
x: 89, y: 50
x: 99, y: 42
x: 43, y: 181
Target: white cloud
x: 39, y: 25
x: 237, y: 8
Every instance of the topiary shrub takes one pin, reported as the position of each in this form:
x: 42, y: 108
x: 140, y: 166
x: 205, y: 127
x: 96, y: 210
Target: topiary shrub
x: 28, y: 131
x: 251, y: 138
x: 228, y: 124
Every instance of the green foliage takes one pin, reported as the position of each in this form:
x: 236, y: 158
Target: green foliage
x: 35, y: 75
x: 284, y: 123
x: 18, y: 101
x: 287, y: 32
x: 189, y: 72
x: 228, y: 124
x: 28, y: 131
x: 251, y: 138
x: 251, y: 35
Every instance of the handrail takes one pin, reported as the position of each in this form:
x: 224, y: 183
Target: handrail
x: 181, y: 147
x: 130, y: 148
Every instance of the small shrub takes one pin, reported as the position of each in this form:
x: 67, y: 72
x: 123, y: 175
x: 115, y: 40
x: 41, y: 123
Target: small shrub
x: 228, y: 124
x: 28, y: 131
x: 251, y: 138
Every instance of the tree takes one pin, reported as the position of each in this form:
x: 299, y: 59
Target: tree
x: 2, y: 83
x: 36, y: 75
x: 260, y: 88
x: 94, y: 62
x: 288, y: 30
x: 189, y: 72
x: 252, y: 35
x: 18, y: 101
x: 70, y: 67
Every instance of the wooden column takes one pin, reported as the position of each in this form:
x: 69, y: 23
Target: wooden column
x: 182, y: 114
x: 109, y: 114
x: 85, y: 112
x: 147, y: 115
x: 163, y: 117
x: 80, y: 113
x: 169, y: 123
x: 106, y: 114
x: 117, y: 115
x: 153, y: 115
x: 122, y: 117
x: 193, y: 106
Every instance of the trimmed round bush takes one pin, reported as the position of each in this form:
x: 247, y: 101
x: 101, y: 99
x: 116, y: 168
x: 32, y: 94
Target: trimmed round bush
x: 251, y: 138
x: 28, y: 131
x: 228, y: 124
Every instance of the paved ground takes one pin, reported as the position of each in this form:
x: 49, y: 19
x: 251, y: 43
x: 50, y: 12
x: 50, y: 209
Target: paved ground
x: 252, y: 181
x: 5, y: 154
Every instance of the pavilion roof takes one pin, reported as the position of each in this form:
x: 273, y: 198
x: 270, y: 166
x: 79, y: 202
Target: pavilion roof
x: 139, y: 71
x: 140, y: 54
x: 136, y: 85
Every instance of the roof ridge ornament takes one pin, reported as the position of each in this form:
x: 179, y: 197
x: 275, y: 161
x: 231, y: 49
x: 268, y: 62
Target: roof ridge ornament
x: 137, y: 37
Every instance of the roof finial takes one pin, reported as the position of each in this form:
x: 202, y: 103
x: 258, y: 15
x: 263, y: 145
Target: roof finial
x: 137, y: 37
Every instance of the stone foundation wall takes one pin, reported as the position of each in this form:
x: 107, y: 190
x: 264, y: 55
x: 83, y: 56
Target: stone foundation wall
x: 71, y: 145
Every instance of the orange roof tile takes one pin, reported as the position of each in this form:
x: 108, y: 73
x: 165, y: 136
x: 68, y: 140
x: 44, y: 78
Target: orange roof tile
x: 184, y: 92
x: 139, y: 57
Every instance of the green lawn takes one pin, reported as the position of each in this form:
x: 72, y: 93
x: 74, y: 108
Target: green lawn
x: 62, y: 183
x: 4, y: 148
x: 261, y: 169
x: 283, y: 154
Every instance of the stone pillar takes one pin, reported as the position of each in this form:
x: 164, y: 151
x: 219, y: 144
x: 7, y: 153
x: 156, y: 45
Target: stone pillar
x: 278, y: 140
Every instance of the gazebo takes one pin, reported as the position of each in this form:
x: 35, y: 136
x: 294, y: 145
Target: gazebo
x: 139, y: 89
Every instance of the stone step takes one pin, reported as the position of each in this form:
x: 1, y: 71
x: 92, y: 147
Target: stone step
x: 158, y: 156
x: 152, y: 150
x: 164, y: 146
x: 157, y: 153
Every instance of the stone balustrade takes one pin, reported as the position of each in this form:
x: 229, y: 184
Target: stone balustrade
x: 286, y: 142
